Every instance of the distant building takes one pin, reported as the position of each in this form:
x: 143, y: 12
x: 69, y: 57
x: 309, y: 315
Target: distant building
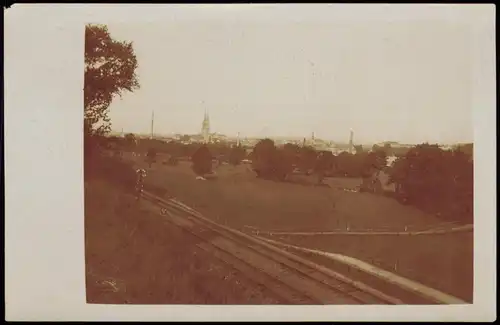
x: 446, y: 147
x: 391, y: 160
x: 205, y: 128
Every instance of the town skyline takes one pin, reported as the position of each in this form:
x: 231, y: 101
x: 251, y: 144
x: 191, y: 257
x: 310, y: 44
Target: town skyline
x: 290, y: 138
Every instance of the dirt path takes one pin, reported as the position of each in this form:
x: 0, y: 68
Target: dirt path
x: 433, y: 231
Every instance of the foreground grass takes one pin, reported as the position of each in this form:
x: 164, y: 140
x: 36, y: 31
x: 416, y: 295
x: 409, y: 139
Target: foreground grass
x: 133, y: 257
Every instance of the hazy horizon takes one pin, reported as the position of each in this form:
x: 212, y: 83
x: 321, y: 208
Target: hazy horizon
x: 409, y: 82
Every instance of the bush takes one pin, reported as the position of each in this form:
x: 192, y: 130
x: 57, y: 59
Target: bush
x: 270, y: 162
x: 282, y: 164
x: 151, y: 156
x: 324, y: 165
x: 436, y: 181
x: 202, y: 161
x: 349, y: 165
x: 307, y: 159
x: 236, y: 155
x: 263, y: 157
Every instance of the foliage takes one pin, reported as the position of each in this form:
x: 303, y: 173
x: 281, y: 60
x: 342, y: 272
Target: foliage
x: 236, y: 155
x: 435, y: 180
x: 358, y: 148
x: 202, y: 161
x: 376, y: 160
x: 467, y: 148
x: 282, y: 164
x: 348, y: 165
x: 386, y: 148
x: 110, y: 69
x: 307, y: 160
x: 151, y: 156
x: 324, y: 164
x: 262, y: 157
x: 271, y: 162
x: 130, y: 140
x: 399, y: 151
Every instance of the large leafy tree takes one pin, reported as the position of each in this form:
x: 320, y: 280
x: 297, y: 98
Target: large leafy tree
x: 436, y: 180
x: 308, y: 158
x: 263, y: 156
x: 270, y: 162
x: 236, y: 155
x: 324, y: 164
x: 110, y: 69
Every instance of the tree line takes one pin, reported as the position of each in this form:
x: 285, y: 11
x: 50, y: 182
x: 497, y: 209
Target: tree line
x: 437, y: 181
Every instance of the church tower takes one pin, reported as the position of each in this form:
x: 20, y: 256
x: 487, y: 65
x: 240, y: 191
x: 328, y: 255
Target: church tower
x: 351, y: 144
x: 205, y: 128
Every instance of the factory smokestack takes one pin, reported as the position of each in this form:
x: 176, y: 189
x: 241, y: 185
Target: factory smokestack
x: 351, y: 144
x: 152, y: 123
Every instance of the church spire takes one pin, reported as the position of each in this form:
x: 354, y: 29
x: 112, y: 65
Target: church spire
x: 205, y: 129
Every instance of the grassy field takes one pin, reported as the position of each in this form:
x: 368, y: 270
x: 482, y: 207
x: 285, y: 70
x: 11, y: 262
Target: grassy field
x: 237, y: 198
x: 133, y: 257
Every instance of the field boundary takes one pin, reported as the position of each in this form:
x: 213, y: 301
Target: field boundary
x: 432, y: 231
x: 395, y: 279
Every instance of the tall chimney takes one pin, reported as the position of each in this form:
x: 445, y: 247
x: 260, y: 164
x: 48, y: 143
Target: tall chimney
x: 152, y: 123
x: 351, y: 136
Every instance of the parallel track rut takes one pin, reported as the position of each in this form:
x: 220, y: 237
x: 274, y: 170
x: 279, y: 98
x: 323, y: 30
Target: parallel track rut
x: 284, y: 274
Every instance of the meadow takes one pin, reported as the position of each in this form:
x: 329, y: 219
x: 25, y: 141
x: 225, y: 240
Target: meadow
x: 234, y: 196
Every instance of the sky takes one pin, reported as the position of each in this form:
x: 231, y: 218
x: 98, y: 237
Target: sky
x: 387, y: 80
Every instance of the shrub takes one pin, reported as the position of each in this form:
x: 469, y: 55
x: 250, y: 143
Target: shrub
x: 324, y: 165
x: 263, y: 157
x: 151, y: 156
x: 349, y: 165
x: 236, y: 155
x: 282, y: 164
x: 202, y: 161
x: 436, y: 181
x: 307, y: 159
x: 270, y: 162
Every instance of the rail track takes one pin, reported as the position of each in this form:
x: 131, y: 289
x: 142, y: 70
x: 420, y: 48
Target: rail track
x: 291, y: 277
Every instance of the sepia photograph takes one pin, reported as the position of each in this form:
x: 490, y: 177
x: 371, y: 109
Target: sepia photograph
x: 296, y: 162
x: 250, y: 162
